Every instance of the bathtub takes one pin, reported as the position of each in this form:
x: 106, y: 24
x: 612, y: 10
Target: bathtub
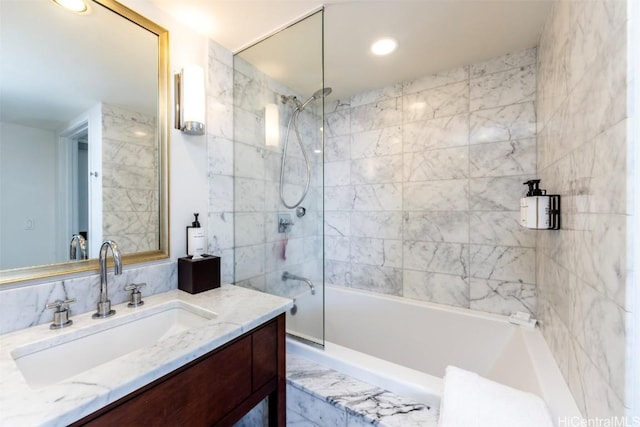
x: 404, y: 346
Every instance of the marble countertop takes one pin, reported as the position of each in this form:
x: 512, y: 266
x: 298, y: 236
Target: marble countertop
x: 238, y: 310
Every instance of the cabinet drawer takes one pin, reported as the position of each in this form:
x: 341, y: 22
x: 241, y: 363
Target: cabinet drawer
x: 265, y: 354
x: 198, y: 396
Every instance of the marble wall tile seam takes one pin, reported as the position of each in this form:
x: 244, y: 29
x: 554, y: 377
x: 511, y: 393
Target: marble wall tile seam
x: 496, y: 107
x: 140, y: 142
x: 472, y: 210
x: 443, y: 116
x: 517, y: 156
x: 601, y: 377
x: 513, y: 86
x: 594, y: 342
x: 447, y: 82
x: 464, y: 276
x: 502, y: 297
x: 599, y: 289
x: 514, y: 280
x: 610, y: 45
x: 218, y: 53
x: 502, y: 70
x: 427, y: 180
x: 514, y: 121
x: 502, y: 263
x: 522, y: 58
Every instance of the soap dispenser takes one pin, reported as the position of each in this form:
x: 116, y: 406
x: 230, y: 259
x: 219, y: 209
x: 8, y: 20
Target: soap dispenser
x: 195, y: 239
x: 539, y: 210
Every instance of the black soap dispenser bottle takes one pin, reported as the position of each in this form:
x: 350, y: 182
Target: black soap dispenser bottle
x: 195, y: 239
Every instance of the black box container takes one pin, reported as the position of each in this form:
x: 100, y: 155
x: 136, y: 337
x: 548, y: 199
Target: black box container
x: 198, y: 275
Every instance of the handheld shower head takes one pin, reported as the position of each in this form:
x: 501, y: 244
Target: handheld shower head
x: 321, y: 93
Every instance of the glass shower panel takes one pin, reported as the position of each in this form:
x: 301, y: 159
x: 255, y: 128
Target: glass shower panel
x: 279, y: 99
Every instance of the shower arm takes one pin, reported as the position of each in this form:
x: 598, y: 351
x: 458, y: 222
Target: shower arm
x: 294, y: 120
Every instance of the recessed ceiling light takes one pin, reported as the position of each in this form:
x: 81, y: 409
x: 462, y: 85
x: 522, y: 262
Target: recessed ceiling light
x: 384, y: 46
x: 78, y: 6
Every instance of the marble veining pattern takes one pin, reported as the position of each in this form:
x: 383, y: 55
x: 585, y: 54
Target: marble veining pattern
x: 503, y: 123
x: 220, y: 143
x: 24, y: 306
x: 130, y: 193
x: 437, y: 133
x: 503, y: 88
x: 325, y: 397
x: 375, y: 143
x: 442, y: 101
x: 582, y: 270
x: 426, y: 206
x: 237, y: 311
x: 260, y: 252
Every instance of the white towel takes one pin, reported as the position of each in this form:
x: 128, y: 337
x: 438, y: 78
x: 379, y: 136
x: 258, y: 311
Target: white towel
x: 470, y: 400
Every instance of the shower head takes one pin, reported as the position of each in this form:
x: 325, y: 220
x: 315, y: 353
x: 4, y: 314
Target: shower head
x: 321, y: 93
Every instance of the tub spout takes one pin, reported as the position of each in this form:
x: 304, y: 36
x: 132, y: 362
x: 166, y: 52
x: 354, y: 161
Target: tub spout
x: 288, y: 276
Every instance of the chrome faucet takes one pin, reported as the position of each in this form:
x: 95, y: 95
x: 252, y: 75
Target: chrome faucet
x: 286, y: 276
x: 77, y: 240
x: 104, y: 305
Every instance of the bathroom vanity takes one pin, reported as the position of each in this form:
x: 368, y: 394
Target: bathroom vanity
x: 227, y: 355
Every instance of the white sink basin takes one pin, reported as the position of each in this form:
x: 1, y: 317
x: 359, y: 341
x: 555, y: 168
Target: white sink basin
x: 57, y: 358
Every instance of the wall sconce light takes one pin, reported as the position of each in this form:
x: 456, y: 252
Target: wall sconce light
x: 271, y: 125
x: 189, y: 100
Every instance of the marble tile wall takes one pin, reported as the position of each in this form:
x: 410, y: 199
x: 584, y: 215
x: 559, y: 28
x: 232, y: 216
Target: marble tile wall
x: 219, y: 102
x: 262, y: 254
x: 130, y: 203
x: 582, y: 145
x: 21, y: 307
x: 423, y: 180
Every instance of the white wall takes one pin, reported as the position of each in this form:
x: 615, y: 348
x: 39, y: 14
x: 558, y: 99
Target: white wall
x: 27, y: 194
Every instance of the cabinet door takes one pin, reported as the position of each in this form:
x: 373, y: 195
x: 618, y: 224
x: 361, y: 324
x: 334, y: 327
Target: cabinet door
x: 198, y: 396
x: 265, y: 355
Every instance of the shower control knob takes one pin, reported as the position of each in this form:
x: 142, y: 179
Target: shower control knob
x: 300, y: 211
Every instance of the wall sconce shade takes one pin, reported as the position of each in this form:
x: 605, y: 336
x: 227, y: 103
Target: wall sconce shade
x: 189, y: 100
x: 271, y: 125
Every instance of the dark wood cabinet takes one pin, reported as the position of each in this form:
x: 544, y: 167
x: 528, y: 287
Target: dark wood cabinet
x: 217, y: 389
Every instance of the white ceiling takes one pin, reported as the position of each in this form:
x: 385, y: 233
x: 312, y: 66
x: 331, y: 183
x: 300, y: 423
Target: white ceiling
x: 433, y: 35
x: 55, y: 65
x: 45, y: 82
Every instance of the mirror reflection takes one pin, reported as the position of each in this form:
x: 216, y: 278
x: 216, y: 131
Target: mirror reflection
x: 79, y: 134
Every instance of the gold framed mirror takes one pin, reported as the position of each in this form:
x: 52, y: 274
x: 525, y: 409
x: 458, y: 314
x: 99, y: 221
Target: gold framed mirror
x: 112, y: 88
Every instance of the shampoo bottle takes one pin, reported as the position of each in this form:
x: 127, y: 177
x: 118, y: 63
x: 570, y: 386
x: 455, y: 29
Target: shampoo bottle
x: 195, y: 239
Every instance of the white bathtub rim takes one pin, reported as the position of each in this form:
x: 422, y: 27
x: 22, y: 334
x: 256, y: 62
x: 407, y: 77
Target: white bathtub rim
x: 431, y: 305
x: 553, y: 387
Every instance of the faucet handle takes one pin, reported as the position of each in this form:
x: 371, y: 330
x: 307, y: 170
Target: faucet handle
x: 61, y: 305
x: 136, y: 296
x: 61, y: 315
